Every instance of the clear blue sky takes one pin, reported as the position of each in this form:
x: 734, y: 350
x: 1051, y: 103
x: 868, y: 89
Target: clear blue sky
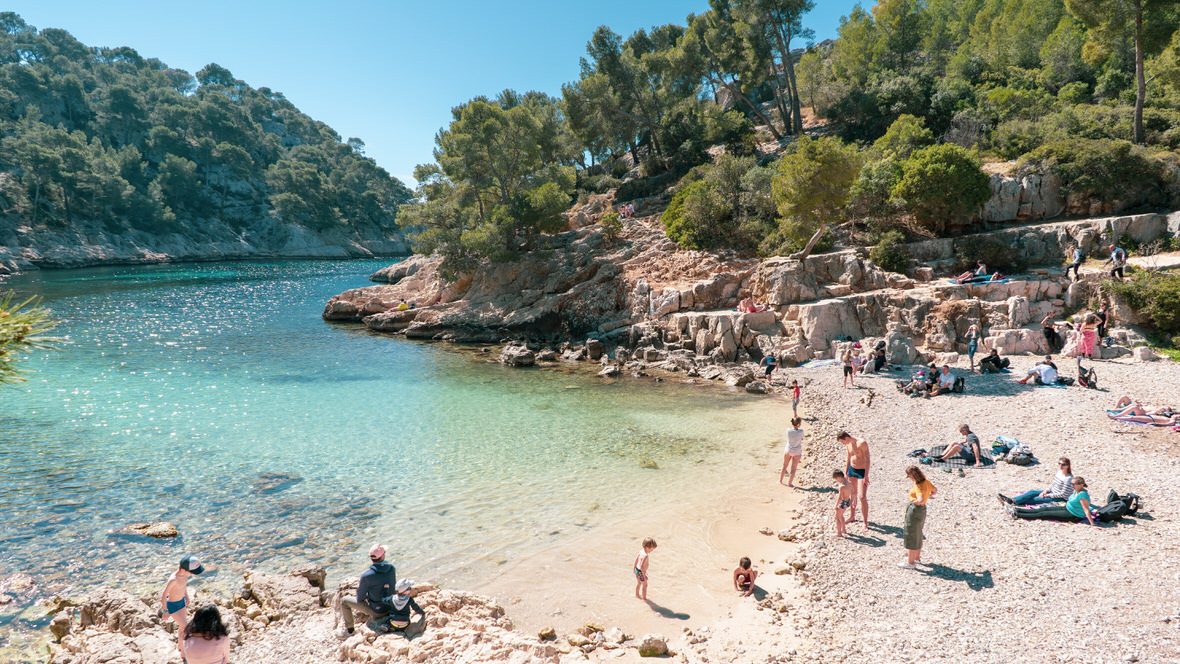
x: 387, y: 72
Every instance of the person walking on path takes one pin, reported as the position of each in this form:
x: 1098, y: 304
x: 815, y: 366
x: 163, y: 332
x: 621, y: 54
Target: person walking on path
x: 376, y: 583
x: 858, y: 473
x: 915, y: 516
x: 1075, y: 261
x: 174, y: 600
x: 1117, y: 261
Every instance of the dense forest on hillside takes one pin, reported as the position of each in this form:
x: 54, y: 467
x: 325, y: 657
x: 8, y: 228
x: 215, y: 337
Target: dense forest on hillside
x: 908, y: 103
x: 106, y: 134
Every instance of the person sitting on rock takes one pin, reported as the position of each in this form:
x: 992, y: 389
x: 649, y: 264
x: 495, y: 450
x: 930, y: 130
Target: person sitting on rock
x: 879, y: 362
x: 402, y: 305
x: 945, y: 381
x: 401, y: 604
x: 1044, y: 373
x: 206, y: 640
x: 992, y: 362
x: 748, y: 306
x: 980, y: 274
x: 1049, y: 328
x: 377, y: 583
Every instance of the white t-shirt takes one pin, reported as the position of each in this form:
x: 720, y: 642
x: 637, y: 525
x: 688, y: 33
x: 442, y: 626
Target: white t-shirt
x: 946, y: 380
x: 1047, y: 373
x: 795, y: 441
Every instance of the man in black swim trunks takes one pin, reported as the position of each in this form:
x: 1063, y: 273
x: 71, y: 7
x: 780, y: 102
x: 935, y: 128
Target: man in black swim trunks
x: 858, y: 473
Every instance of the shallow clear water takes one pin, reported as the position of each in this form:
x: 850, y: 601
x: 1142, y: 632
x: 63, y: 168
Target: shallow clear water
x: 184, y: 384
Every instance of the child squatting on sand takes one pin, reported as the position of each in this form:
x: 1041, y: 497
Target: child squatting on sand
x: 649, y: 545
x: 844, y: 498
x: 744, y: 576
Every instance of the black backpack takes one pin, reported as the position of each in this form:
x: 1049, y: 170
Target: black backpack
x: 1088, y: 378
x: 960, y: 385
x: 1112, y: 511
x: 1130, y: 500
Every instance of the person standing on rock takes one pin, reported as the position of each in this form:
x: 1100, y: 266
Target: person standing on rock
x: 858, y: 473
x: 915, y: 516
x: 376, y: 583
x: 795, y: 389
x: 1103, y: 318
x: 174, y: 599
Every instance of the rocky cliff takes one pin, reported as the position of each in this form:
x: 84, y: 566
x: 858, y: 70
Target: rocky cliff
x: 26, y: 247
x: 674, y: 309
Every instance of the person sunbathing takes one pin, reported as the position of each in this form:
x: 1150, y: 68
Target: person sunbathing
x: 1139, y: 409
x: 1158, y: 420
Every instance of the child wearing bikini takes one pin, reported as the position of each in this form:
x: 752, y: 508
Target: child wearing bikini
x: 649, y: 545
x: 843, y: 500
x: 174, y: 599
x: 743, y: 577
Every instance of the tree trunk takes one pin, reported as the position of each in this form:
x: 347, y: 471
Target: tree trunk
x: 1140, y: 82
x: 736, y: 91
x: 823, y: 228
x: 798, y: 115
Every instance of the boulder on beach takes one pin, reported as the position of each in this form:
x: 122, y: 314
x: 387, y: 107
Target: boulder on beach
x: 517, y: 356
x: 653, y: 645
x: 282, y: 595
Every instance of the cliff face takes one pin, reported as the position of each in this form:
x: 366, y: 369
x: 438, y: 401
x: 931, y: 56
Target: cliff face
x: 25, y: 247
x: 670, y: 305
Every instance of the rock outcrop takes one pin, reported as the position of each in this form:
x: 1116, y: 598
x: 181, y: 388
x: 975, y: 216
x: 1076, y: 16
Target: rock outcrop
x: 661, y: 307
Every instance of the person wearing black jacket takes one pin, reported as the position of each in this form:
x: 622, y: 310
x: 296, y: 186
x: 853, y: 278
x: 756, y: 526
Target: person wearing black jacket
x: 376, y: 583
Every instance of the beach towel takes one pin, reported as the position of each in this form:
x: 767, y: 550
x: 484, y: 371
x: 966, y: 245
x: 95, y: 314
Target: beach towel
x: 819, y: 363
x: 1144, y: 424
x: 1054, y: 385
x: 978, y: 283
x: 959, y: 462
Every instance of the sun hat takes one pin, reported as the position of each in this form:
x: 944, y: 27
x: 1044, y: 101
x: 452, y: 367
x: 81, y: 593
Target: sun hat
x: 404, y: 586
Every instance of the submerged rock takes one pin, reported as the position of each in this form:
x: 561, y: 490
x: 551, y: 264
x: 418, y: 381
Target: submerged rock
x: 161, y: 530
x: 275, y: 482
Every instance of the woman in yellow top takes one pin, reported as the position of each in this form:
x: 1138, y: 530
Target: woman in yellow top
x: 915, y: 516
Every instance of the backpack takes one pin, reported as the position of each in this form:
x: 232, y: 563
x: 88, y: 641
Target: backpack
x: 960, y: 385
x: 1064, y: 380
x: 1112, y: 511
x: 1130, y: 500
x: 1020, y: 458
x: 1088, y: 378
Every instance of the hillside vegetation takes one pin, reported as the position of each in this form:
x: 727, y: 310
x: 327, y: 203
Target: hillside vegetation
x: 913, y: 97
x: 106, y: 134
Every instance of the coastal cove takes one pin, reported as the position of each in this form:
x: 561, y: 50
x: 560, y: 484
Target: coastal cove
x: 213, y: 396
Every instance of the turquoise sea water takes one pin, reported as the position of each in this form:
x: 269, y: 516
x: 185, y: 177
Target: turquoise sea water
x: 184, y: 385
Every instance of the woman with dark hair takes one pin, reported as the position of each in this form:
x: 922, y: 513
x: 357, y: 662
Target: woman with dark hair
x: 1059, y: 490
x: 915, y: 516
x: 206, y: 640
x: 1076, y: 509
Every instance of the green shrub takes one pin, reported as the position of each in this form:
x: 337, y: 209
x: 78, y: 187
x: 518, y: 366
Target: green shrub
x: 1101, y: 168
x: 1077, y: 92
x: 612, y: 225
x: 941, y: 182
x: 718, y: 206
x: 1156, y: 296
x: 890, y: 252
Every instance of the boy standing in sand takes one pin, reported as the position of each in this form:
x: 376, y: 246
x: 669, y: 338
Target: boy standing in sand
x: 649, y: 545
x: 795, y: 398
x: 744, y: 576
x: 843, y: 500
x: 174, y: 599
x: 794, y: 451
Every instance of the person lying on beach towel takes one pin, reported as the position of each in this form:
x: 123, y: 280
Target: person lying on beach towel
x: 1124, y: 407
x: 1158, y: 420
